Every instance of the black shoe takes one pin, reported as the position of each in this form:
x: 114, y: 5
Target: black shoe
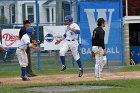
x: 63, y: 68
x: 80, y: 73
x: 25, y: 78
x: 31, y: 75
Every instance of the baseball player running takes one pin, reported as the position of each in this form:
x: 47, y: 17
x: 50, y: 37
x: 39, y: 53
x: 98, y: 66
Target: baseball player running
x: 98, y: 47
x: 21, y: 51
x: 71, y: 36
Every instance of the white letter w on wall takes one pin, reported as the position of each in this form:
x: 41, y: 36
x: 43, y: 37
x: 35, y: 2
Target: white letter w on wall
x: 101, y: 13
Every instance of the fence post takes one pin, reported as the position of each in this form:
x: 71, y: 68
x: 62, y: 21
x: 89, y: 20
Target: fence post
x: 70, y: 7
x: 122, y: 33
x: 58, y: 20
x: 77, y: 11
x: 37, y: 32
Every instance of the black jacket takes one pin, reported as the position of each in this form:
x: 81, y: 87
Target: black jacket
x: 98, y: 37
x: 22, y: 32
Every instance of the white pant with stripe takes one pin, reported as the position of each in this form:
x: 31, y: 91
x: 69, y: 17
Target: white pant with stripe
x: 73, y: 46
x: 100, y: 60
x: 22, y: 57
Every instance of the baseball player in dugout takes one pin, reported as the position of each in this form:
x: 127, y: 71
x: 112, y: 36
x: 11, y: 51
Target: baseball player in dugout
x: 21, y: 51
x: 22, y: 31
x: 71, y: 37
x: 98, y: 47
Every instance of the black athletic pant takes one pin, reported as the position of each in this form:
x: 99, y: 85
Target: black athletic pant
x: 29, y: 67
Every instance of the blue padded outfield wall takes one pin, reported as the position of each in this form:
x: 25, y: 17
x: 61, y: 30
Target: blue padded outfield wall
x: 111, y: 11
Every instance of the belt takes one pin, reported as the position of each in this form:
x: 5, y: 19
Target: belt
x: 70, y: 40
x: 18, y: 48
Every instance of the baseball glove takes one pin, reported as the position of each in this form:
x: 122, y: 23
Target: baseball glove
x: 104, y: 53
x: 36, y: 42
x: 92, y: 54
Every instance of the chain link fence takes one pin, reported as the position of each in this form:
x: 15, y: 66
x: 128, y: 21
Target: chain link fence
x: 51, y: 13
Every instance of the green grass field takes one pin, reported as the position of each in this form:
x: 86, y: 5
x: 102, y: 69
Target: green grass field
x: 49, y: 66
x: 125, y: 86
x: 129, y: 68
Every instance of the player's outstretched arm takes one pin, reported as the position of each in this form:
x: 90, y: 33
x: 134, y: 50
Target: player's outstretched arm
x: 35, y: 42
x: 34, y: 47
x: 58, y: 41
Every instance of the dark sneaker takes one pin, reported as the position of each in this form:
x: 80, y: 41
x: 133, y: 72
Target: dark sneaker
x: 63, y: 68
x: 80, y: 73
x: 28, y: 75
x: 31, y: 75
x: 25, y: 78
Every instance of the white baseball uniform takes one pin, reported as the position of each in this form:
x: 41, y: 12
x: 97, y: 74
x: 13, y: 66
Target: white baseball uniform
x: 21, y: 50
x: 100, y: 60
x: 71, y: 42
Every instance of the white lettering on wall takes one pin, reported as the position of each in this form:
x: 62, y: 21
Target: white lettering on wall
x: 102, y: 13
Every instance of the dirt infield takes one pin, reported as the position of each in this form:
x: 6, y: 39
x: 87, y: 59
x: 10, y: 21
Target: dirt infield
x: 70, y: 78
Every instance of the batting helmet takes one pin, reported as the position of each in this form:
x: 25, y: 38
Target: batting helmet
x: 30, y: 30
x: 69, y: 18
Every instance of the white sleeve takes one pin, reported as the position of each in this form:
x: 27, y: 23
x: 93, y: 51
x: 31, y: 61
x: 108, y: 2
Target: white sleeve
x: 27, y: 41
x: 76, y: 27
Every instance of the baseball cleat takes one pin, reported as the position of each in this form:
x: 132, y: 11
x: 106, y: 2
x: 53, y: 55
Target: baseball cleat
x: 80, y: 73
x: 25, y: 78
x: 97, y: 78
x: 31, y: 75
x: 63, y: 68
